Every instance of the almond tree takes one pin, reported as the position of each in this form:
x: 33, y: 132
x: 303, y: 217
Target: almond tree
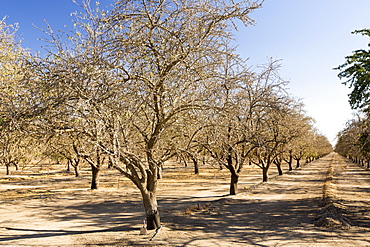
x: 348, y: 140
x: 226, y: 135
x: 297, y: 124
x: 272, y: 128
x: 15, y: 147
x: 14, y: 142
x: 170, y: 52
x: 275, y: 135
x: 246, y: 104
x: 321, y: 147
x: 69, y: 147
x: 129, y: 74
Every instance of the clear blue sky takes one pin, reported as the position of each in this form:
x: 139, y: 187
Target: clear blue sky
x: 309, y: 36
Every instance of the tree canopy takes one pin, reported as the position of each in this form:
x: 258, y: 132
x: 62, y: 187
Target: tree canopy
x: 356, y: 70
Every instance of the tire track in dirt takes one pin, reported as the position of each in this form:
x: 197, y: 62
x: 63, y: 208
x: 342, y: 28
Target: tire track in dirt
x: 353, y: 192
x: 332, y: 214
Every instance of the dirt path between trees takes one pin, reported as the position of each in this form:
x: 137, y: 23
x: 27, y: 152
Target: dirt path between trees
x: 60, y: 211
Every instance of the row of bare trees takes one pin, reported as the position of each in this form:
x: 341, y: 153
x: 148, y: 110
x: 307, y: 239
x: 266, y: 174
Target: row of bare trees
x: 146, y: 81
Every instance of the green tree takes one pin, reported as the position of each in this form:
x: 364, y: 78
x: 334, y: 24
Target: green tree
x: 356, y: 70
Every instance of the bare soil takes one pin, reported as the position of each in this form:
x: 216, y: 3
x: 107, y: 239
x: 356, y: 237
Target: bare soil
x: 46, y: 206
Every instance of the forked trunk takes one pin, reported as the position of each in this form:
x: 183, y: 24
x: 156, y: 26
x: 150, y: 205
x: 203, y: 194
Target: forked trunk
x: 95, y: 177
x: 234, y: 183
x: 75, y: 163
x: 151, y: 210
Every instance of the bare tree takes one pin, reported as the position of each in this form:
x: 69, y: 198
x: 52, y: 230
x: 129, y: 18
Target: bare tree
x: 129, y: 74
x: 14, y: 143
x: 347, y: 144
x: 68, y: 146
x: 249, y: 106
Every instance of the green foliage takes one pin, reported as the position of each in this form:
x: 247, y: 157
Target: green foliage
x: 356, y: 70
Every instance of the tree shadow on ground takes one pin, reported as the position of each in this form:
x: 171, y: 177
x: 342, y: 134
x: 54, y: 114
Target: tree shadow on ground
x: 44, y: 233
x: 242, y: 221
x: 254, y: 221
x: 237, y: 221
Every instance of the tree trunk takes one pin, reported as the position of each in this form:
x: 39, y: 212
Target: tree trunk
x: 290, y: 161
x: 77, y: 171
x: 68, y: 166
x: 160, y: 169
x: 7, y: 170
x: 234, y: 183
x: 151, y: 210
x: 196, y: 165
x: 95, y: 177
x: 185, y: 163
x: 264, y: 175
x: 298, y: 163
x: 110, y: 162
x: 278, y: 165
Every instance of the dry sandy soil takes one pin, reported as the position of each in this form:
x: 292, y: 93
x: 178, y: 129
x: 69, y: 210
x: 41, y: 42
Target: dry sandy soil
x: 40, y: 206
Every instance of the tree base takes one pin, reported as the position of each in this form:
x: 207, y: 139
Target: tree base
x: 153, y: 220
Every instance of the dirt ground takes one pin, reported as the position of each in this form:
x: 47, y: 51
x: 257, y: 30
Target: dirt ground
x: 42, y: 206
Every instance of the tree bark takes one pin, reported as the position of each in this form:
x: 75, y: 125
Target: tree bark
x: 234, y: 183
x: 298, y: 163
x: 290, y: 161
x: 151, y: 210
x: 278, y: 165
x: 95, y: 177
x: 196, y: 165
x: 160, y: 169
x: 264, y: 175
x: 77, y: 171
